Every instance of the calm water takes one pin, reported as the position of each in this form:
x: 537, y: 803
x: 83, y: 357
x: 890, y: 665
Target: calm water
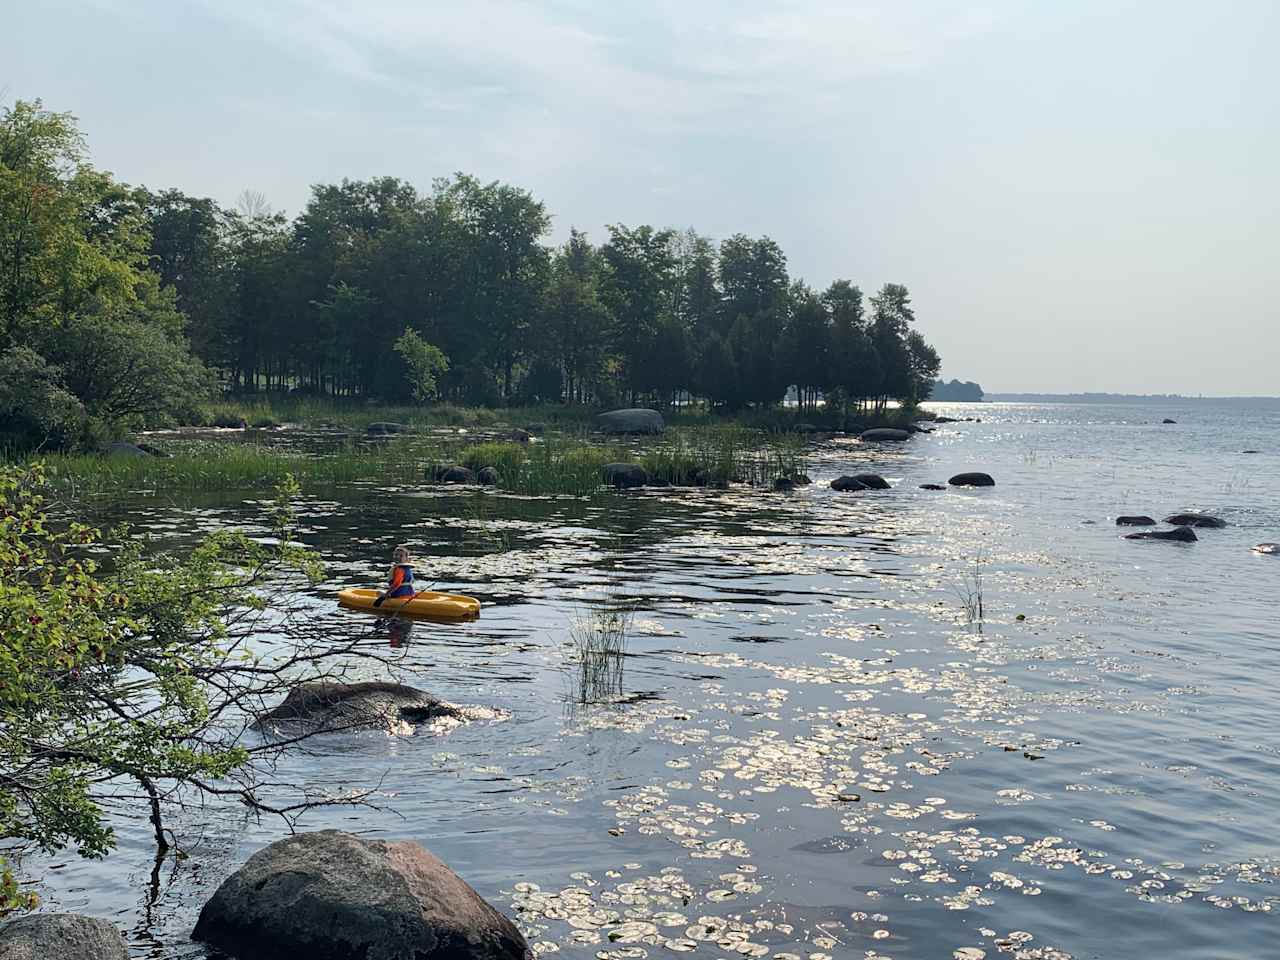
x: 822, y: 757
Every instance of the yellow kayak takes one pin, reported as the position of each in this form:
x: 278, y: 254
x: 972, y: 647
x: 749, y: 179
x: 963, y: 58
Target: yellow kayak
x: 425, y: 603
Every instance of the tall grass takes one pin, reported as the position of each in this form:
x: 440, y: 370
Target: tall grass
x: 552, y: 467
x: 270, y: 409
x: 724, y: 454
x: 597, y: 651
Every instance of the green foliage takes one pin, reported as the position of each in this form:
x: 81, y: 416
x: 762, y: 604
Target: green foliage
x: 121, y: 675
x: 424, y: 363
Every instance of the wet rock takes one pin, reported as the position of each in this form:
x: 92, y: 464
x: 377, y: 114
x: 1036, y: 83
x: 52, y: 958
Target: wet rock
x: 520, y: 436
x: 880, y: 434
x: 945, y: 420
x: 1196, y: 520
x: 1182, y: 534
x: 846, y: 485
x: 334, y: 896
x: 1271, y: 549
x: 974, y: 479
x: 372, y: 703
x: 385, y: 428
x: 61, y: 936
x: 933, y: 486
x: 625, y: 476
x: 872, y: 481
x: 635, y: 420
x: 454, y: 474
x: 783, y: 484
x: 1250, y: 451
x: 916, y: 428
x: 124, y: 450
x: 228, y: 422
x: 1167, y: 420
x: 801, y: 480
x: 488, y: 477
x: 1135, y: 522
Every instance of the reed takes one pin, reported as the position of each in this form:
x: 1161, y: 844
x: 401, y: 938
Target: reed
x: 597, y: 651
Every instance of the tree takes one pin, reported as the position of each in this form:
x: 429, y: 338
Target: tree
x: 637, y: 289
x: 139, y: 675
x: 424, y: 363
x: 808, y: 348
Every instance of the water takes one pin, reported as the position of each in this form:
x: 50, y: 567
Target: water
x: 818, y: 754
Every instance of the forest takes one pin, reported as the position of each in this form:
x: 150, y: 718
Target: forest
x: 122, y: 306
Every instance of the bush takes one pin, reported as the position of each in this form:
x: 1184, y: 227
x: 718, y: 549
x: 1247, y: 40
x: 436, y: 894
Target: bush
x: 35, y: 409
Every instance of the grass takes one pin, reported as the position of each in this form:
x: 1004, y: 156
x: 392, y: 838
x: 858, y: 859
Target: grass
x: 597, y: 651
x: 275, y: 409
x: 972, y: 603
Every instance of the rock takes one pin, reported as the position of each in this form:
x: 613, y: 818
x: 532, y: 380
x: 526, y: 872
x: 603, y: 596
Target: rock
x: 805, y: 428
x: 884, y: 434
x: 537, y: 429
x: 1183, y: 534
x: 1249, y: 451
x: 972, y: 480
x: 916, y: 428
x: 520, y: 436
x: 945, y: 420
x: 153, y: 451
x: 229, y: 422
x: 372, y: 703
x: 801, y: 480
x: 1272, y: 549
x: 1167, y: 420
x: 1195, y: 520
x: 625, y: 476
x: 846, y: 485
x: 872, y: 481
x: 330, y: 895
x: 61, y: 936
x: 488, y: 477
x: 1135, y: 522
x: 635, y: 420
x: 783, y: 484
x: 123, y: 450
x: 384, y: 428
x: 455, y: 474
x: 932, y: 486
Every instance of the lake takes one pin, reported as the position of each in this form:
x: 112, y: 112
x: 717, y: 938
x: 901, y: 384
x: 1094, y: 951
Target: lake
x: 820, y: 753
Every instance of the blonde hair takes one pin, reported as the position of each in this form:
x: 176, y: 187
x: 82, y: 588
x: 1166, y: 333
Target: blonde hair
x: 400, y: 554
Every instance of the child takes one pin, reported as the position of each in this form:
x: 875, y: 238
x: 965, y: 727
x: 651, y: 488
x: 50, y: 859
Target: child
x: 401, y: 584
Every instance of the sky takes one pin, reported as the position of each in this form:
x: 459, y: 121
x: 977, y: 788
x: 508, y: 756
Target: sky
x: 1081, y: 195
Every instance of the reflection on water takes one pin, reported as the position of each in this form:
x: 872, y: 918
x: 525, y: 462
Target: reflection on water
x: 818, y: 756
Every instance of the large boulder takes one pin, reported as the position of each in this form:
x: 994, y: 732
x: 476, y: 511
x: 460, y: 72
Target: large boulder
x: 488, y: 476
x: 973, y: 479
x: 847, y: 485
x: 124, y: 450
x: 1181, y: 534
x: 880, y: 434
x: 635, y: 420
x: 61, y: 936
x: 454, y: 474
x: 372, y: 703
x: 384, y: 428
x: 624, y: 476
x: 1195, y: 520
x: 1138, y: 521
x: 872, y: 481
x: 334, y: 896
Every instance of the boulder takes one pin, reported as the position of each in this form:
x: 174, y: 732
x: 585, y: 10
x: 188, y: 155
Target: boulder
x: 880, y: 434
x: 625, y: 476
x: 846, y: 485
x: 932, y: 486
x: 1135, y: 522
x: 488, y: 477
x: 455, y: 474
x: 124, y: 450
x: 974, y: 479
x: 330, y: 895
x: 872, y: 481
x: 783, y: 484
x: 372, y: 703
x: 1167, y: 420
x: 1183, y: 534
x: 916, y: 428
x: 801, y: 480
x: 635, y: 420
x: 520, y: 436
x: 61, y: 936
x: 1271, y: 549
x: 1195, y: 520
x: 226, y: 421
x: 384, y: 428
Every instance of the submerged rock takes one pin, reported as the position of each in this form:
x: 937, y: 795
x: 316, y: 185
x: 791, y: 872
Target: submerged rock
x: 625, y: 476
x: 372, y: 703
x: 880, y: 434
x: 974, y: 479
x: 872, y: 481
x: 932, y: 486
x: 1135, y: 522
x: 384, y: 428
x: 783, y: 484
x: 1195, y: 520
x: 801, y: 480
x: 846, y: 485
x: 61, y: 936
x: 334, y: 896
x: 1167, y: 420
x: 634, y: 420
x: 1182, y: 534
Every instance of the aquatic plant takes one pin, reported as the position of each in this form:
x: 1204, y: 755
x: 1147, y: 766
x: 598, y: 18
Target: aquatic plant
x: 597, y: 650
x: 970, y: 592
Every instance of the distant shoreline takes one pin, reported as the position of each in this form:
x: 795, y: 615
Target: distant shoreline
x: 1117, y: 398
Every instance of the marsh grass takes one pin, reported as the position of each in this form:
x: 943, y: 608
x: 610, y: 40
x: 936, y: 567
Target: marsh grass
x: 596, y: 652
x: 724, y: 454
x: 353, y: 414
x: 972, y: 600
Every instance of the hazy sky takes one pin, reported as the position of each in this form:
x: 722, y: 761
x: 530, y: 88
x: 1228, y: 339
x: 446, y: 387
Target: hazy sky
x: 1081, y: 194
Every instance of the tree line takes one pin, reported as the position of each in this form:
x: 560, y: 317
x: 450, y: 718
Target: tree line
x: 122, y: 303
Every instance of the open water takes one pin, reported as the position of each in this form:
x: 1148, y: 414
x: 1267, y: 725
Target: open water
x: 821, y: 754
